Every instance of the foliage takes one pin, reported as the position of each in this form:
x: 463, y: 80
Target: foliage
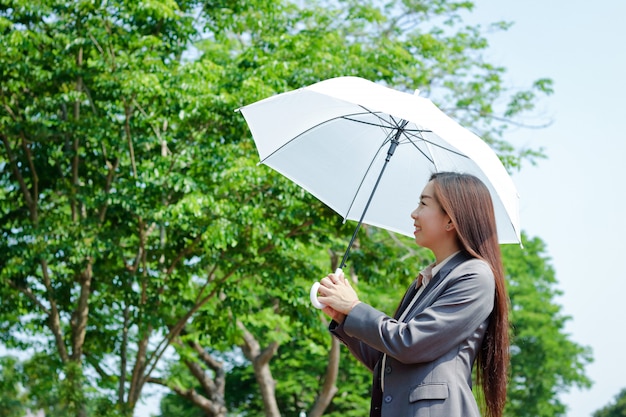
x: 12, y: 392
x: 614, y: 409
x: 111, y: 189
x: 33, y: 384
x: 544, y: 361
x: 136, y: 225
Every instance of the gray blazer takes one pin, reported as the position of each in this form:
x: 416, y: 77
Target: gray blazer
x: 430, y: 354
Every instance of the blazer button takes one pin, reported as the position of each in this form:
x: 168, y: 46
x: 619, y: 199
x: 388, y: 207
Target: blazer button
x: 387, y: 369
x: 388, y: 399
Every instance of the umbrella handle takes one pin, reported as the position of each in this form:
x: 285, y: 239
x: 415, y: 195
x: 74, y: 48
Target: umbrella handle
x: 313, y: 294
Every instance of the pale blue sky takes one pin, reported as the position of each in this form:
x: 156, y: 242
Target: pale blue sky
x: 575, y: 200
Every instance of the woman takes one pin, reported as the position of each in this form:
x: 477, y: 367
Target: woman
x: 454, y: 313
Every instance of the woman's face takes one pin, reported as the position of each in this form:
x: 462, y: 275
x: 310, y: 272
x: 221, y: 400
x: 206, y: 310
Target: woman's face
x: 430, y: 221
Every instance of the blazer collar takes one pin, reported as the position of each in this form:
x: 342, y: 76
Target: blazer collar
x: 457, y: 260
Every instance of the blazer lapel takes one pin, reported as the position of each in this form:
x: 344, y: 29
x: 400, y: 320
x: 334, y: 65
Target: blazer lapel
x: 406, y: 300
x: 457, y: 260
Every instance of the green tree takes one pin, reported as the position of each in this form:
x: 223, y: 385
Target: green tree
x: 614, y: 409
x: 105, y: 166
x: 544, y: 361
x: 131, y: 205
x: 12, y: 398
x: 140, y: 241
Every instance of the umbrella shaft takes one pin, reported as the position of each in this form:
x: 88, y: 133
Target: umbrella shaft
x: 392, y: 148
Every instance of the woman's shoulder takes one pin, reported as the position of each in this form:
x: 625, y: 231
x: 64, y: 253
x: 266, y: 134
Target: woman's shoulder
x: 475, y: 267
x: 476, y: 263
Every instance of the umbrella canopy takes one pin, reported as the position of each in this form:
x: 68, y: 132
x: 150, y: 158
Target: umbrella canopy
x: 367, y: 151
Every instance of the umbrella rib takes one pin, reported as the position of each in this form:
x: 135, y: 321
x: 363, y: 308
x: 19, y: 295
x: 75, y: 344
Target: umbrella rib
x: 369, y: 167
x: 387, y: 125
x: 394, y: 139
x: 423, y: 139
x: 345, y: 117
x: 396, y: 125
x: 408, y: 133
x: 364, y: 122
x: 397, y: 128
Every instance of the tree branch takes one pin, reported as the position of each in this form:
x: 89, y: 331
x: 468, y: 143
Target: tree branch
x: 213, y: 402
x: 123, y: 356
x: 54, y: 318
x: 80, y: 316
x: 112, y: 167
x: 127, y: 115
x: 76, y: 143
x: 260, y: 361
x: 190, y: 394
x: 30, y: 203
x: 31, y: 165
x: 30, y: 295
x: 138, y: 378
x: 183, y: 253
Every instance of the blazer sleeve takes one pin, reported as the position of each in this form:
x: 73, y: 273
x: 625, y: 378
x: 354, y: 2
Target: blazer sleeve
x: 364, y: 353
x: 465, y: 301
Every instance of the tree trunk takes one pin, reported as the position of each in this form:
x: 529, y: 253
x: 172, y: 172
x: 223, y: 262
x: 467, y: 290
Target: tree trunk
x: 329, y: 389
x: 260, y: 360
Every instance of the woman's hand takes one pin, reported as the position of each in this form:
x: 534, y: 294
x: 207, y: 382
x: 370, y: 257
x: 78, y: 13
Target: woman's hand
x: 336, y: 292
x: 334, y: 314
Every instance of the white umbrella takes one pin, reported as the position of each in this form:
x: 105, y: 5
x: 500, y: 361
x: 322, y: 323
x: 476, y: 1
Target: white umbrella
x: 367, y: 151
